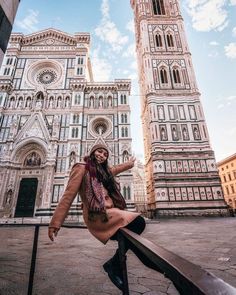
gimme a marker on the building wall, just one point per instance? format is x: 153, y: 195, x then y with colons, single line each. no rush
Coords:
x: 51, y: 114
x: 181, y: 172
x: 8, y: 9
x: 227, y: 171
x: 139, y: 187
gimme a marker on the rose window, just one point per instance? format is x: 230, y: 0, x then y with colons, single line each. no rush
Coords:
x: 46, y: 77
x: 100, y: 127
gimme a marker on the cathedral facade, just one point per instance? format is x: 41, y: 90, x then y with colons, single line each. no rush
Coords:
x: 51, y: 114
x: 181, y: 173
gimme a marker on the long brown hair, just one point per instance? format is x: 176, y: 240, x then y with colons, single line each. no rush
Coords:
x: 103, y: 174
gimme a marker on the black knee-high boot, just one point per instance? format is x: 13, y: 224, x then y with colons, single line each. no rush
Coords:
x: 113, y: 269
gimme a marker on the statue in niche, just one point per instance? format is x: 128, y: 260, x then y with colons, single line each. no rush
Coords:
x: 20, y: 104
x: 174, y: 133
x: 100, y: 102
x: 13, y: 126
x: 163, y: 134
x: 196, y: 133
x: 9, y: 195
x: 185, y: 134
x: 72, y: 160
x: 33, y: 159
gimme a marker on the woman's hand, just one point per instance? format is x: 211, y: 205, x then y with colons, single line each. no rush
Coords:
x: 52, y: 232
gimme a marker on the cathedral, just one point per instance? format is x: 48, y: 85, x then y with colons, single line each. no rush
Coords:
x: 51, y: 114
x: 181, y: 173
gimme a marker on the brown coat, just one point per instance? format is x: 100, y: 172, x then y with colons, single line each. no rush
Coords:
x: 116, y: 218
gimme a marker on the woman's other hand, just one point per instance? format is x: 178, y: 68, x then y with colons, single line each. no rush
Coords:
x: 52, y: 232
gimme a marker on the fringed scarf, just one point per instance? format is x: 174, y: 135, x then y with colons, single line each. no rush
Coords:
x: 95, y: 193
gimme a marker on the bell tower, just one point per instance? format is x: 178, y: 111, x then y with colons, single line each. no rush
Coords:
x: 181, y: 173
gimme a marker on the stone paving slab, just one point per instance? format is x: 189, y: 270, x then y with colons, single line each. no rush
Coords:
x: 72, y: 265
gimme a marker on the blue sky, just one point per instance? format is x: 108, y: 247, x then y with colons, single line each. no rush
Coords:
x: 211, y: 32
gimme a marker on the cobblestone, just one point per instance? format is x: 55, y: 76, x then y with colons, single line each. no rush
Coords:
x: 72, y: 265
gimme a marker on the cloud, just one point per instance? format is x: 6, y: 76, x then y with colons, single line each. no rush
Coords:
x: 214, y: 43
x: 108, y: 32
x: 28, y: 23
x: 130, y: 26
x: 230, y: 50
x: 234, y: 31
x: 213, y: 54
x: 232, y: 2
x: 208, y: 15
x: 101, y: 67
x: 130, y: 51
x: 227, y: 101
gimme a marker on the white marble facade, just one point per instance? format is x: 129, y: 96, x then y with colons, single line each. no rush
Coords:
x: 51, y: 114
x: 181, y: 173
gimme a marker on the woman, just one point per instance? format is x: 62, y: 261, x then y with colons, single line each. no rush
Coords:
x: 103, y: 205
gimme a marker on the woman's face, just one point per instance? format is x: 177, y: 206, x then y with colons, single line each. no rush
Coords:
x: 101, y: 155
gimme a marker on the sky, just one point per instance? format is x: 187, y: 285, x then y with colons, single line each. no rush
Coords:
x: 210, y: 26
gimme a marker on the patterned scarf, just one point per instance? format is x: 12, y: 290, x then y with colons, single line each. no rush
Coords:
x: 96, y: 194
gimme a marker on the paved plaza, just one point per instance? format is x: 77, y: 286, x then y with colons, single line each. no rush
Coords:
x: 72, y: 264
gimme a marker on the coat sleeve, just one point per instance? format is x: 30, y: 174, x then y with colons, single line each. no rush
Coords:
x: 121, y: 167
x: 72, y: 188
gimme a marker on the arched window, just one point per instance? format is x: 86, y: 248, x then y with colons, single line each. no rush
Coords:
x: 124, y: 192
x: 91, y: 102
x: 122, y: 132
x: 170, y: 41
x: 158, y: 40
x: 121, y: 99
x: 125, y: 118
x: 75, y: 132
x: 126, y: 132
x: 122, y: 118
x: 163, y: 74
x: 128, y: 193
x: 125, y: 99
x: 75, y: 118
x: 176, y: 76
x: 158, y: 7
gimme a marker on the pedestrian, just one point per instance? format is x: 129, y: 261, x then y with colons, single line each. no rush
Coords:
x: 102, y: 203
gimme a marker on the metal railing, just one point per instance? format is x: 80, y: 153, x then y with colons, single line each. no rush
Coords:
x: 187, y: 277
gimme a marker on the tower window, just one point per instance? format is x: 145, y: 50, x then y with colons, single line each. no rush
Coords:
x: 158, y: 40
x: 176, y: 76
x: 158, y: 7
x: 163, y: 74
x: 170, y: 40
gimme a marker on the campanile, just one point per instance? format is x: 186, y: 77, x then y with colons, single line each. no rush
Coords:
x: 182, y: 177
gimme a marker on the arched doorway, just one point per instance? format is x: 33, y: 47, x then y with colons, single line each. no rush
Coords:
x: 26, y: 197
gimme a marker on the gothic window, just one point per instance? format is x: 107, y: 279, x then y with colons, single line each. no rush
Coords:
x: 5, y: 127
x: 80, y: 60
x: 158, y: 40
x: 79, y: 71
x: 76, y: 119
x: 125, y: 99
x: 6, y: 71
x: 77, y: 98
x: 176, y: 76
x: 64, y: 130
x: 67, y: 102
x: 128, y: 193
x: 163, y: 74
x: 61, y: 157
x: 28, y: 102
x: 122, y: 132
x: 100, y: 127
x: 125, y: 118
x: 109, y: 99
x: 124, y: 192
x: 91, y: 102
x: 121, y: 99
x: 158, y: 7
x: 170, y: 40
x: 75, y: 132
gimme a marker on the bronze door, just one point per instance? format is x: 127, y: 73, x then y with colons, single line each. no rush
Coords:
x: 26, y: 198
